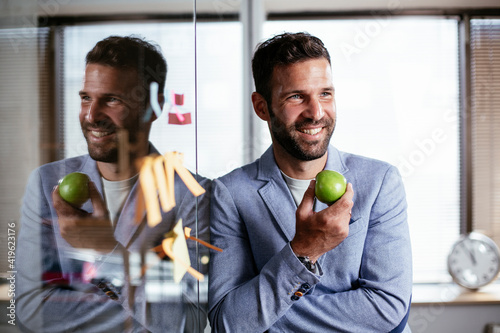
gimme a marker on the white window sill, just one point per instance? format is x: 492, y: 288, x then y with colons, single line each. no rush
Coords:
x: 452, y: 294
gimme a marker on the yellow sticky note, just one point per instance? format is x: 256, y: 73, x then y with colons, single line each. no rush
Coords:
x: 179, y: 251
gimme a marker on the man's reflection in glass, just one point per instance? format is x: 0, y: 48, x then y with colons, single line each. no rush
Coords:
x: 79, y: 268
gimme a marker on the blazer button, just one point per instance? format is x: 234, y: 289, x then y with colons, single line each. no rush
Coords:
x: 306, y: 286
x: 295, y: 298
x: 112, y: 295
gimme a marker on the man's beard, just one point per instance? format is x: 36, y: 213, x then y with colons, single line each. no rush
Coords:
x: 304, y: 151
x: 103, y: 152
x: 108, y: 151
x: 100, y: 155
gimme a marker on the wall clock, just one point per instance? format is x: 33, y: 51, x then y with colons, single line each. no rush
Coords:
x: 474, y: 261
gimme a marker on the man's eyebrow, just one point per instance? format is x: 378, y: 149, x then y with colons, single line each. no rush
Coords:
x: 84, y: 93
x: 288, y: 92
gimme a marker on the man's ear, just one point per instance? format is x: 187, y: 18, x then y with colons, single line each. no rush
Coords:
x: 260, y: 106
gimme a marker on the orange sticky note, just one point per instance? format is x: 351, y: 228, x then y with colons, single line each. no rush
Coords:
x: 140, y: 205
x: 187, y: 232
x: 170, y: 177
x: 161, y: 183
x: 186, y: 177
x: 148, y: 185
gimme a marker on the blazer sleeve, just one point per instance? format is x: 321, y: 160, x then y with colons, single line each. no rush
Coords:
x: 376, y: 301
x: 47, y: 300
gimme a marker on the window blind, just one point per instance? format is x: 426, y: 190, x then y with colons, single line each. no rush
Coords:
x: 22, y: 116
x: 485, y: 111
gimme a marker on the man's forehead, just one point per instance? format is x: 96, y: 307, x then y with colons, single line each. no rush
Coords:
x: 98, y: 75
x: 104, y: 69
x: 302, y: 71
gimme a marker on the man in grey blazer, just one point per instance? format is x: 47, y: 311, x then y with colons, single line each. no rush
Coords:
x: 291, y: 263
x: 76, y: 266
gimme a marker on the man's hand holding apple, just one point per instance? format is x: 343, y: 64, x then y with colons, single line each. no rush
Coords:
x: 82, y: 229
x: 319, y: 232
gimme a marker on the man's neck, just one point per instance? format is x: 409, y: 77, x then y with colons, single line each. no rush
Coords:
x: 112, y: 171
x: 122, y: 170
x: 298, y: 169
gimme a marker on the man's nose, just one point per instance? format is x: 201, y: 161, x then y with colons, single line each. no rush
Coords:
x: 94, y: 112
x: 315, y: 109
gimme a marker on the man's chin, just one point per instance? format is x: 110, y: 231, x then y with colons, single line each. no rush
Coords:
x: 104, y: 156
x: 311, y: 150
x: 305, y: 154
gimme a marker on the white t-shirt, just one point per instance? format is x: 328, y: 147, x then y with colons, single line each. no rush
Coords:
x: 297, y: 187
x: 115, y: 194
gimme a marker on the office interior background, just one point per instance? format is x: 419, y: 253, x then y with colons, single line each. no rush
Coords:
x: 417, y: 84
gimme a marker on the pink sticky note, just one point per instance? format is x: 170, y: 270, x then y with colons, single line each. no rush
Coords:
x: 179, y: 99
x: 184, y: 119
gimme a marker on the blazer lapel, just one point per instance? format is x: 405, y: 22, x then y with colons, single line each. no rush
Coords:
x: 276, y: 189
x: 276, y: 195
x: 336, y: 162
x: 127, y: 226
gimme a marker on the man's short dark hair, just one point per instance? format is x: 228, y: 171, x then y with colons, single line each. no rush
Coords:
x: 131, y: 52
x: 281, y: 50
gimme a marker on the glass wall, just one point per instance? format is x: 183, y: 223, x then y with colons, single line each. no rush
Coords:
x: 135, y: 267
x: 397, y: 83
x: 210, y: 142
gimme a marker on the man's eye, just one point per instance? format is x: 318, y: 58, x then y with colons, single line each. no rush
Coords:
x: 296, y: 96
x: 85, y: 98
x: 113, y: 100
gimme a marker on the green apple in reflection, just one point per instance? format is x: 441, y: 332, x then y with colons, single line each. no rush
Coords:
x: 74, y: 188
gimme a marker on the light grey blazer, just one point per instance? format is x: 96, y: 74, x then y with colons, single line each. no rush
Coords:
x: 52, y: 294
x: 257, y: 284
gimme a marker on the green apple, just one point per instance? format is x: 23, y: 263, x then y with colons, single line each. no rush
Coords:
x: 330, y: 186
x: 74, y: 188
